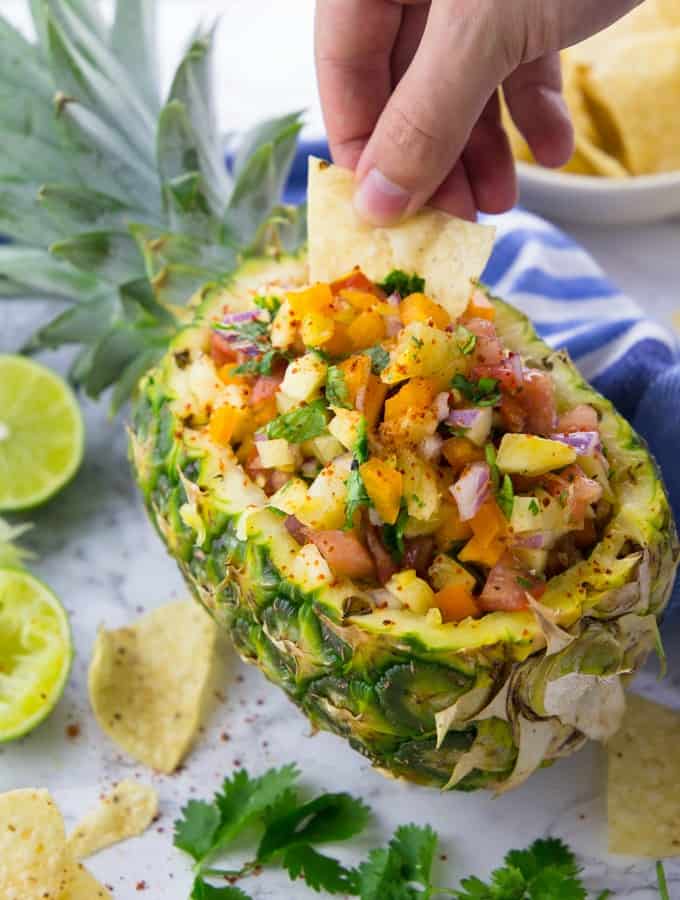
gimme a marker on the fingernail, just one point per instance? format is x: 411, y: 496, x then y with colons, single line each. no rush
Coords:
x: 379, y: 200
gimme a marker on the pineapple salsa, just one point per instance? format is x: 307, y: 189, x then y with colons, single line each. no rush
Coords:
x: 410, y: 453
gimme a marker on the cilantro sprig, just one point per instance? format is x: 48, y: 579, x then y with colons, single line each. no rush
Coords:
x: 502, y: 487
x: 380, y: 358
x: 337, y: 392
x: 484, y: 392
x: 301, y: 424
x: 291, y: 830
x: 400, y: 282
x: 357, y: 496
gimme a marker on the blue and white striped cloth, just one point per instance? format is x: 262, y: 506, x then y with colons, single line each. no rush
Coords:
x: 628, y: 356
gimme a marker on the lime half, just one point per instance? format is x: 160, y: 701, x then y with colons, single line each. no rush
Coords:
x: 35, y: 652
x: 41, y: 433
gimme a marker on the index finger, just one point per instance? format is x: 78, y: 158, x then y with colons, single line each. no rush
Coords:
x: 353, y: 46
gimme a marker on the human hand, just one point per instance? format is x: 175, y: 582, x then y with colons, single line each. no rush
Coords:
x: 409, y: 90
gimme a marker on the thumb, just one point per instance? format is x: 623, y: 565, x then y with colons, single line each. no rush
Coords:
x: 427, y: 121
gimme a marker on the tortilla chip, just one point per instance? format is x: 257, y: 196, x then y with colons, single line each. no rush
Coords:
x: 669, y: 11
x: 643, y: 781
x: 84, y: 886
x: 148, y: 682
x: 633, y: 92
x: 447, y: 252
x: 125, y: 813
x: 648, y: 17
x: 34, y: 861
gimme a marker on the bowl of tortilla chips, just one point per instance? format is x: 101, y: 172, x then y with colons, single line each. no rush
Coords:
x: 622, y: 87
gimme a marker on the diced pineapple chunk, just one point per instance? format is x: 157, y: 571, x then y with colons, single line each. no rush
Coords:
x: 310, y: 569
x: 445, y: 571
x: 316, y: 329
x: 345, y: 426
x: 420, y: 486
x: 527, y: 454
x: 325, y: 448
x: 304, y: 377
x: 321, y: 506
x: 412, y: 592
x: 290, y: 498
x: 539, y: 513
x: 533, y: 560
x: 278, y: 454
x: 284, y: 403
x: 284, y: 327
x: 423, y: 350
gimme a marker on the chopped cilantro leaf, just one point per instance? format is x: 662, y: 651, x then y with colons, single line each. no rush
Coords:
x: 490, y: 455
x: 254, y: 330
x: 271, y: 304
x: 337, y: 392
x: 203, y: 891
x: 506, y: 496
x: 466, y: 340
x: 361, y: 446
x: 399, y: 282
x: 393, y: 536
x: 301, y: 424
x: 356, y: 495
x: 259, y: 365
x: 418, y: 342
x: 195, y: 832
x: 484, y: 392
x: 534, y: 508
x: 379, y: 357
x: 525, y: 583
x: 562, y: 499
x: 662, y: 881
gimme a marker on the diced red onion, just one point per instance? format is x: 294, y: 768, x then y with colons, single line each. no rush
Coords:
x: 476, y: 422
x: 464, y: 418
x: 310, y: 468
x: 471, y: 490
x: 585, y: 443
x: 535, y: 541
x: 374, y: 517
x: 441, y: 405
x: 431, y: 447
x: 392, y: 325
x: 237, y: 317
x: 515, y: 361
x: 382, y: 598
x: 360, y: 401
x: 394, y: 299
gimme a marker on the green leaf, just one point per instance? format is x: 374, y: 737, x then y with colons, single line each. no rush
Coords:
x: 21, y: 64
x: 242, y: 799
x: 111, y: 356
x: 259, y: 365
x: 204, y: 891
x: 31, y: 157
x: 195, y: 832
x: 80, y: 324
x: 393, y: 536
x: 337, y: 392
x: 554, y: 884
x: 416, y: 847
x: 662, y: 881
x: 131, y: 375
x: 466, y: 340
x: 320, y: 872
x: 361, y: 447
x: 380, y: 878
x: 330, y: 817
x: 543, y: 853
x: 133, y: 42
x: 37, y: 270
x: 399, y: 282
x: 484, y: 392
x: 357, y: 497
x: 112, y: 255
x: 379, y: 357
x: 263, y: 133
x: 506, y: 496
x: 301, y: 424
x: 91, y: 210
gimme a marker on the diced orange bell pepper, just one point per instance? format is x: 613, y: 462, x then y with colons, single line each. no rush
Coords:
x: 227, y: 424
x: 356, y: 370
x: 419, y: 308
x: 384, y: 485
x: 459, y: 452
x: 316, y: 329
x: 488, y: 543
x: 229, y: 375
x: 339, y: 343
x: 479, y: 307
x: 356, y: 280
x: 452, y: 530
x: 263, y: 412
x: 455, y: 602
x: 366, y: 330
x: 359, y: 300
x: 315, y: 299
x: 417, y: 393
x: 374, y: 398
x: 485, y: 553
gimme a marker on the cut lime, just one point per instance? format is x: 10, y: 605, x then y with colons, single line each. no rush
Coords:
x: 35, y: 653
x: 41, y: 433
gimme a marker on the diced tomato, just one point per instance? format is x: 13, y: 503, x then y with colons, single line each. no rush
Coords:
x: 506, y: 588
x: 344, y: 553
x: 537, y: 396
x: 580, y: 418
x: 265, y: 387
x: 418, y: 554
x: 488, y: 348
x: 221, y: 350
x: 575, y: 490
x: 384, y: 564
x: 513, y: 414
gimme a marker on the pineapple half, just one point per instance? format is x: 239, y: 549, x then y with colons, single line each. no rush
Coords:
x: 118, y: 204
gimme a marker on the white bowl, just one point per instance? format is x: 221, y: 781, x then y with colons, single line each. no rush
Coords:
x: 592, y: 200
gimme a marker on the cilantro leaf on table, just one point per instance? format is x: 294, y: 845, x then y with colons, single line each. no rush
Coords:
x: 390, y: 873
x: 301, y: 424
x: 320, y: 872
x: 400, y: 282
x: 380, y: 358
x: 204, y: 891
x: 195, y: 832
x: 416, y: 848
x: 337, y: 392
x: 542, y: 854
x: 379, y: 878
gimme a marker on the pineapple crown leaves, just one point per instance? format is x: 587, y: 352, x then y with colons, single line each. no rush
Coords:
x: 117, y: 203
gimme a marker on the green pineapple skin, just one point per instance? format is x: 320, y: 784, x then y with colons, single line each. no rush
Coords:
x: 378, y: 690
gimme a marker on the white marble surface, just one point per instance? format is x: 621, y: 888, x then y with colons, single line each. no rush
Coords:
x: 99, y: 553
